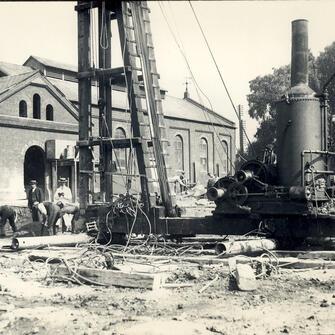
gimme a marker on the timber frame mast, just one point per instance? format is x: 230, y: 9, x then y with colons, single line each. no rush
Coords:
x: 147, y: 123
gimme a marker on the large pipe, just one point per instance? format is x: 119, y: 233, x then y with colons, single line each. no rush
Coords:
x: 245, y: 247
x: 214, y: 193
x: 299, y: 66
x: 21, y: 243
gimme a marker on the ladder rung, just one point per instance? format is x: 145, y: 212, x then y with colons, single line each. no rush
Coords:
x: 136, y: 68
x: 134, y: 54
x: 155, y: 166
x: 146, y: 8
x: 129, y: 27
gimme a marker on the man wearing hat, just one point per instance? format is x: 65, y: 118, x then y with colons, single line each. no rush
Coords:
x: 35, y: 197
x: 63, y: 192
x: 63, y: 195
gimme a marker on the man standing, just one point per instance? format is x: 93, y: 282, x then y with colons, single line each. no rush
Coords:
x: 64, y: 195
x: 35, y: 197
x: 7, y: 213
x: 63, y: 192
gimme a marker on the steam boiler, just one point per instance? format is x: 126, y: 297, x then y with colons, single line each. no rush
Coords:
x: 290, y: 193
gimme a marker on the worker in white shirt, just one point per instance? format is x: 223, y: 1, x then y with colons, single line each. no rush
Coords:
x: 63, y: 194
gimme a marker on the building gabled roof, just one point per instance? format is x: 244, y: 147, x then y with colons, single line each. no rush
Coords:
x: 10, y: 85
x: 9, y: 69
x: 173, y: 107
x: 208, y: 110
x: 10, y: 81
x: 187, y: 108
x: 51, y: 64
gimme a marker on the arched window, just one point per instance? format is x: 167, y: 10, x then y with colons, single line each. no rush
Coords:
x: 36, y: 106
x: 203, y: 154
x: 121, y: 154
x: 49, y: 113
x: 23, y: 109
x: 225, y: 158
x: 179, y: 152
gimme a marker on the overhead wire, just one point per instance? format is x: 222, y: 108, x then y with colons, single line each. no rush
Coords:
x: 205, y: 111
x: 198, y: 89
x: 219, y: 72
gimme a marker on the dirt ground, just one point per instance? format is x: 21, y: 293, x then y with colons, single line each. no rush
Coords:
x: 292, y: 301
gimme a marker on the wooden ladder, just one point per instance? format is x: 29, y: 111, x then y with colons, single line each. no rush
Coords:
x: 142, y: 81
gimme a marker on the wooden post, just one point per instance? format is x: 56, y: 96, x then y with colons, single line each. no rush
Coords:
x: 240, y: 120
x: 105, y: 100
x: 194, y: 173
x: 73, y: 179
x: 53, y: 179
x: 84, y: 94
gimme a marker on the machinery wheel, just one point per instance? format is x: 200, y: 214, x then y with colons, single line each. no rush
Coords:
x: 259, y: 170
x: 224, y: 182
x: 237, y: 193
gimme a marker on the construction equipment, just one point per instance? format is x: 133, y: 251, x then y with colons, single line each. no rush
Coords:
x: 292, y: 198
x: 292, y: 195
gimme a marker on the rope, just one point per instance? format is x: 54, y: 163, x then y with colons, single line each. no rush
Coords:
x: 219, y: 72
x: 198, y: 89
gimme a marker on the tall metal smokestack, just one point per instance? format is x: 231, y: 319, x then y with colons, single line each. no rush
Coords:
x: 299, y: 125
x: 299, y: 66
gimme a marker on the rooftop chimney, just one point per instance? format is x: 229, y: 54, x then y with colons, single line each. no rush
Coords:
x: 299, y: 65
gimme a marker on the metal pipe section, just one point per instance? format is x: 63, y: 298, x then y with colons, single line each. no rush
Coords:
x: 244, y: 175
x: 214, y: 193
x: 245, y: 247
x: 299, y: 66
x: 21, y: 243
x: 319, y: 152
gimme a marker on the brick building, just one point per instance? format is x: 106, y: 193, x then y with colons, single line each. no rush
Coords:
x: 39, y: 128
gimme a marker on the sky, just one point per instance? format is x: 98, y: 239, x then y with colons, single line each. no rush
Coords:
x: 247, y: 39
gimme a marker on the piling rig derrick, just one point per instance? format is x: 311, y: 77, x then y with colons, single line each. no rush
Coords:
x: 292, y: 197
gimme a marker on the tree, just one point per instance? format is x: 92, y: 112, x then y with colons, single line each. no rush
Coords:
x: 266, y: 91
x: 325, y: 65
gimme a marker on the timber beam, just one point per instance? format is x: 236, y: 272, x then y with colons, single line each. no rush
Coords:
x: 110, y: 5
x: 103, y: 73
x: 117, y: 143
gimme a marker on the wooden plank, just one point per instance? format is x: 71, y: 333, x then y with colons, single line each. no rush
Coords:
x: 288, y: 262
x: 110, y: 277
x: 284, y: 262
x: 323, y: 254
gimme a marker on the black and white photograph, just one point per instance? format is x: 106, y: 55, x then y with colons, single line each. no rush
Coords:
x: 167, y: 167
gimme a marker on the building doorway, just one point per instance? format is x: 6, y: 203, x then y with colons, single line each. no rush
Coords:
x: 34, y: 166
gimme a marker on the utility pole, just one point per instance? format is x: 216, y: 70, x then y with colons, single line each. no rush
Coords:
x: 84, y: 94
x: 105, y: 101
x: 241, y: 127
